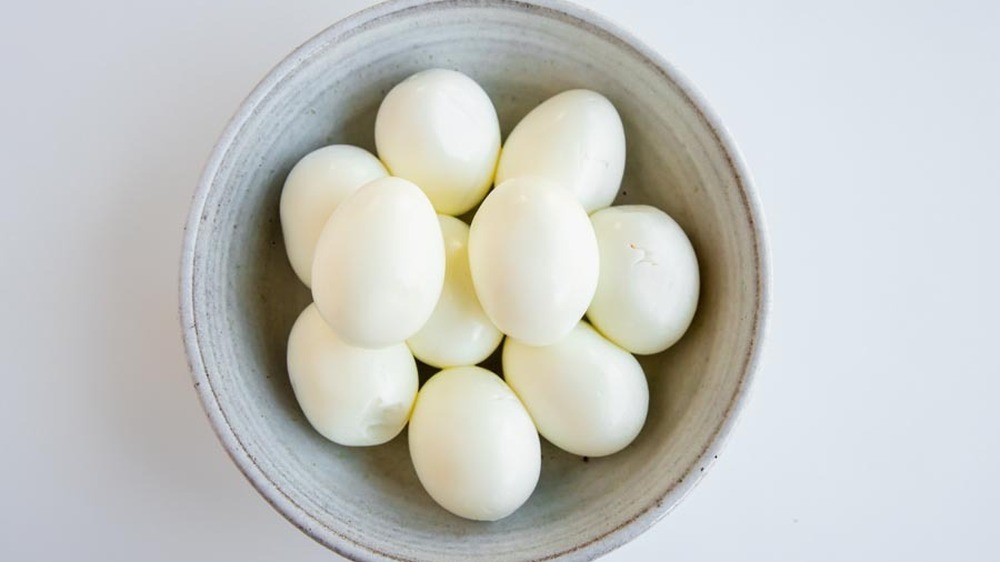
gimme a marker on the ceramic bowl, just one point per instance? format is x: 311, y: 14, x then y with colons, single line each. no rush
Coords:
x: 240, y: 297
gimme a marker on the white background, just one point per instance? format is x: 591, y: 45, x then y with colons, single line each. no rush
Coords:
x: 871, y: 128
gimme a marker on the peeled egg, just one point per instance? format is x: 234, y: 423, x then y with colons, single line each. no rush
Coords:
x: 649, y: 283
x: 585, y: 394
x: 379, y: 264
x: 315, y: 186
x: 458, y: 331
x: 473, y: 445
x: 352, y: 396
x: 533, y: 258
x: 575, y: 138
x: 438, y: 129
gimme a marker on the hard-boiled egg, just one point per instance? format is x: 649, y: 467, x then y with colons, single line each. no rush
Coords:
x: 574, y: 138
x: 438, y: 129
x: 315, y: 186
x: 533, y: 258
x: 379, y: 264
x: 586, y: 395
x: 351, y: 395
x: 649, y: 283
x: 473, y: 445
x: 458, y: 332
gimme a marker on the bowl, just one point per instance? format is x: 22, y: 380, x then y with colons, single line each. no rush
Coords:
x: 239, y: 296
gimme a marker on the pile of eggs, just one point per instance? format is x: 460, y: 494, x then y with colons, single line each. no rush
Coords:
x: 396, y: 278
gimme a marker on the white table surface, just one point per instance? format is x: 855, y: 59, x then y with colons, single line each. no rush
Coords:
x: 871, y: 128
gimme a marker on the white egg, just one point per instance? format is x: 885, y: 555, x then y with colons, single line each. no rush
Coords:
x: 473, y: 445
x: 533, y: 258
x: 586, y: 395
x: 438, y: 129
x: 315, y: 186
x: 649, y: 283
x: 575, y: 138
x: 458, y: 332
x: 351, y: 395
x: 379, y: 264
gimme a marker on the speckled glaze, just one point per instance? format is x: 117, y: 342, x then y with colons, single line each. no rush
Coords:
x: 239, y: 296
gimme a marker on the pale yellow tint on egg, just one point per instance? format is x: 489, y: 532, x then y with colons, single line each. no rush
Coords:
x: 438, y: 129
x: 379, y: 264
x: 586, y: 395
x: 649, y: 284
x: 458, y: 332
x: 534, y: 261
x: 315, y: 186
x: 575, y: 138
x: 473, y: 445
x: 350, y: 395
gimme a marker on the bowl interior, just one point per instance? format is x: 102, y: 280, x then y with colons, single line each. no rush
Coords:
x: 367, y: 502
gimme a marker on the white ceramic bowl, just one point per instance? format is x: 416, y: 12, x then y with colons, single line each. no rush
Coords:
x: 240, y: 297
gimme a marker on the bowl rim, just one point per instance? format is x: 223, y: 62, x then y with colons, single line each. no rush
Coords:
x: 656, y: 508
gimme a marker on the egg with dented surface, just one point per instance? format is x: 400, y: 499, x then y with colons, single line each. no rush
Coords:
x: 352, y: 396
x: 649, y: 282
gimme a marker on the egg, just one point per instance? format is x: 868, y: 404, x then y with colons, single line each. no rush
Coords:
x: 352, y: 396
x: 575, y: 138
x: 649, y: 283
x: 315, y: 186
x: 379, y: 264
x: 534, y: 261
x: 438, y: 129
x: 473, y: 445
x: 585, y: 394
x: 458, y: 332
